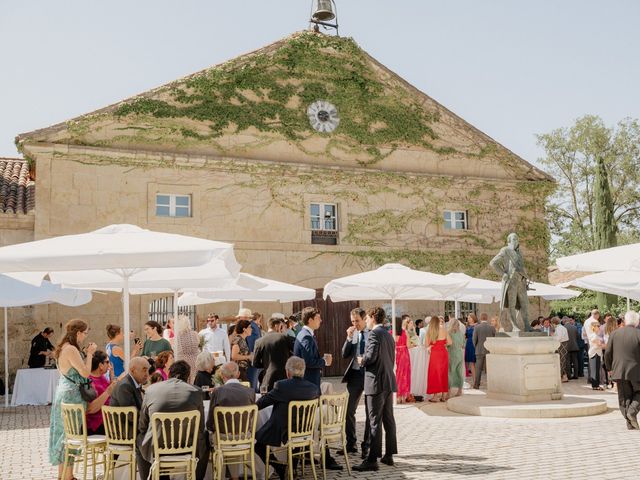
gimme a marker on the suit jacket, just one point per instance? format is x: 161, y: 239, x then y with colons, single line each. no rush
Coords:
x: 307, y: 349
x: 481, y: 332
x: 572, y: 330
x: 170, y: 396
x: 275, y: 430
x: 271, y: 352
x: 350, y: 351
x: 126, y: 394
x: 229, y: 395
x: 378, y: 359
x: 622, y: 355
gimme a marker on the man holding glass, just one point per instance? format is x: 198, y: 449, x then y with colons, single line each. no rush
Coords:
x: 306, y: 346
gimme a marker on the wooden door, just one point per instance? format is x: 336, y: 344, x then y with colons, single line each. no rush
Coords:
x: 332, y: 333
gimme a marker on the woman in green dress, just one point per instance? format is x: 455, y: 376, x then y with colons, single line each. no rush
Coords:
x: 456, y: 356
x: 73, y: 369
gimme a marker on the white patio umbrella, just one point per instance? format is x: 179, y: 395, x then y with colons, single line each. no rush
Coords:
x: 14, y: 293
x: 395, y: 282
x: 624, y: 284
x: 124, y: 251
x: 271, y: 291
x: 625, y: 257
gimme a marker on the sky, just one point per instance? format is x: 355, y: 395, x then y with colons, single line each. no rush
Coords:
x: 511, y: 68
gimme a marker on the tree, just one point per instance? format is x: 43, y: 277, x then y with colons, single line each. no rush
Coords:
x: 574, y: 156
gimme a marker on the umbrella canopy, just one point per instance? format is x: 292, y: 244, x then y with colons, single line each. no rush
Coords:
x: 14, y: 293
x: 394, y: 282
x: 624, y: 284
x: 123, y: 250
x: 267, y: 291
x: 625, y: 257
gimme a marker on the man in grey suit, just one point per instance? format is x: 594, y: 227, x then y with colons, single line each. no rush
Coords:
x: 231, y: 394
x: 572, y: 347
x: 171, y: 396
x: 379, y: 385
x: 622, y: 359
x: 271, y: 353
x: 481, y: 332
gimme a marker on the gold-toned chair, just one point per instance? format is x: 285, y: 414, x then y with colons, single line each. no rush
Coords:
x: 333, y: 418
x: 301, y: 426
x: 77, y: 445
x: 175, y: 444
x: 120, y: 425
x: 235, y: 433
x: 246, y: 384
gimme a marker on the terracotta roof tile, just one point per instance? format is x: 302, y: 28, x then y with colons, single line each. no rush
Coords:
x: 17, y: 189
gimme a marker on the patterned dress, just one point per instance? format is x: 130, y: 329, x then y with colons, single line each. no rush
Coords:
x: 67, y: 392
x: 187, y: 348
x: 243, y: 365
x: 456, y: 359
x: 403, y: 366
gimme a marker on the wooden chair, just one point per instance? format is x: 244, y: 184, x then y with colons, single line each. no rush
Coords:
x: 301, y: 426
x: 77, y: 445
x: 175, y: 443
x: 120, y: 425
x: 333, y: 418
x: 235, y: 433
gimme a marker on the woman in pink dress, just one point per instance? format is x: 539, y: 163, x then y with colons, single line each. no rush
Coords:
x: 403, y: 363
x: 437, y: 341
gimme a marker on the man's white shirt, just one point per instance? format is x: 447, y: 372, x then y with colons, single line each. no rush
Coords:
x: 216, y: 341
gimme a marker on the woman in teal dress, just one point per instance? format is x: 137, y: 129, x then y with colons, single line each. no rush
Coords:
x: 73, y: 368
x: 456, y: 357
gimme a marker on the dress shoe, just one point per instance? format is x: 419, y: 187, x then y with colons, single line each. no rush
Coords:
x: 333, y: 465
x: 366, y: 466
x: 387, y: 460
x: 632, y: 417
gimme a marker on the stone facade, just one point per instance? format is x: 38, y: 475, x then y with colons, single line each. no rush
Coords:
x: 253, y: 186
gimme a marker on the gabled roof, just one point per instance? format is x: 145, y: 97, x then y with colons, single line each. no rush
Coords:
x: 17, y: 189
x: 243, y: 107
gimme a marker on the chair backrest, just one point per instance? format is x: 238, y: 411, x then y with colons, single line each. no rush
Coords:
x: 120, y: 425
x: 302, y: 420
x: 333, y: 413
x: 175, y: 433
x: 74, y: 421
x: 246, y: 384
x: 235, y: 425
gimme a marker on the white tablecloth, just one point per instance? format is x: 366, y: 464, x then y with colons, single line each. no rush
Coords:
x: 35, y: 386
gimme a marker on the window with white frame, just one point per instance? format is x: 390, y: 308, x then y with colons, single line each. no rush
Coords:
x: 465, y: 308
x: 456, y: 220
x: 171, y: 205
x: 324, y: 216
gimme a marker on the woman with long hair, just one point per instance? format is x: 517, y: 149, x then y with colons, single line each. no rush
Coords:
x: 469, y: 348
x: 187, y: 344
x: 114, y: 348
x: 164, y: 362
x: 456, y: 356
x: 154, y: 344
x: 74, y: 370
x: 240, y: 349
x: 438, y: 339
x: 403, y: 362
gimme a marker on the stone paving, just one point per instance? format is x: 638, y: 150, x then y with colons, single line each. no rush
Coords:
x: 433, y: 443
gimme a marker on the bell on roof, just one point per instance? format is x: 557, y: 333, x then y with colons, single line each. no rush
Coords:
x: 322, y: 12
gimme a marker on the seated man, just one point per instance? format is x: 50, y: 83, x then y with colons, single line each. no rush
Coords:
x: 231, y: 394
x: 173, y: 395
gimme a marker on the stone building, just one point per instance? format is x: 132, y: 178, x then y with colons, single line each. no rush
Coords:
x: 309, y: 155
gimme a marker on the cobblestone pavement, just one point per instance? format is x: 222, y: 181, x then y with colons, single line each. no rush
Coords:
x: 433, y: 443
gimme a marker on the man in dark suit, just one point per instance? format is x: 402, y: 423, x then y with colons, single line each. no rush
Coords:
x: 128, y: 392
x: 275, y: 430
x: 271, y: 353
x: 306, y: 346
x: 481, y: 332
x: 41, y: 348
x: 572, y: 347
x: 354, y: 347
x: 231, y: 394
x: 379, y: 385
x: 171, y: 396
x: 622, y: 359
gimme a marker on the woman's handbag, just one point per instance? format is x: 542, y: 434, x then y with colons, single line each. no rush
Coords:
x: 87, y: 392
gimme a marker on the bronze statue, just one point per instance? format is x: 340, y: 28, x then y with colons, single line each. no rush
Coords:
x: 510, y: 264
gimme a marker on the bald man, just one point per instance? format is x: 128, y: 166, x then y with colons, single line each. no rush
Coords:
x: 128, y: 392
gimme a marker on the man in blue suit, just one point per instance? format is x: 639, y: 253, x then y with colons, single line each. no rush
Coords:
x: 306, y: 346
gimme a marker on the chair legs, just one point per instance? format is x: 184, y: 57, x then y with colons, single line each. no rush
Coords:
x: 313, y: 465
x: 323, y: 460
x: 346, y: 455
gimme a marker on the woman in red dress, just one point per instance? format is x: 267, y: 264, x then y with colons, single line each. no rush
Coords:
x: 403, y: 363
x: 437, y: 341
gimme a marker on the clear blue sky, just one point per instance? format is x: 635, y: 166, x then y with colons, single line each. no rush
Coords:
x: 511, y: 68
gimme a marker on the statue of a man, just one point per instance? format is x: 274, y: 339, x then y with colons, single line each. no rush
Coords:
x: 510, y: 264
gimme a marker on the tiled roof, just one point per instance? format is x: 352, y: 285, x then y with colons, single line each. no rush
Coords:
x: 17, y: 189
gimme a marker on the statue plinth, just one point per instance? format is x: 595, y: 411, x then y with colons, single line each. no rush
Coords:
x: 523, y: 367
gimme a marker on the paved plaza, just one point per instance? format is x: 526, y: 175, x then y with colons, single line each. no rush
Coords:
x: 433, y: 443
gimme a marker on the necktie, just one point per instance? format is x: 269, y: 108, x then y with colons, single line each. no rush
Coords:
x: 361, y: 343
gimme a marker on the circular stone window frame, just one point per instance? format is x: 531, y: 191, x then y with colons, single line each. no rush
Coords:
x: 323, y: 116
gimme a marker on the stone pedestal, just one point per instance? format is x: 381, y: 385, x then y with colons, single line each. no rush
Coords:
x: 523, y: 368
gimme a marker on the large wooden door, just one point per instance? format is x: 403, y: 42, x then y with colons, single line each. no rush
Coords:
x: 333, y: 331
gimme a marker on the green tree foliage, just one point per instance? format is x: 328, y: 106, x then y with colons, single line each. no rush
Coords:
x: 572, y: 156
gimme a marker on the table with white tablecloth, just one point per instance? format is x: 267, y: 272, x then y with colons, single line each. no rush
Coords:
x: 35, y: 386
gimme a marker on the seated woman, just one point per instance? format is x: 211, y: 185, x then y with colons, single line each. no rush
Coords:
x: 163, y: 364
x: 100, y: 365
x: 204, y: 366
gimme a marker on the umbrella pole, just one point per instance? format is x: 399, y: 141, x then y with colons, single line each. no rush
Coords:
x: 6, y: 360
x: 457, y: 309
x: 628, y: 306
x: 175, y: 308
x: 241, y: 304
x: 125, y: 308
